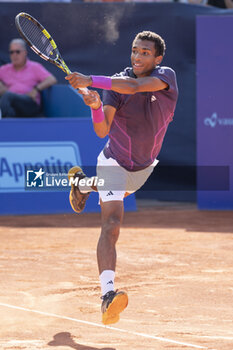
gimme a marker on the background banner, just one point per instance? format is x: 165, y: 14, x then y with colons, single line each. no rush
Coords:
x: 54, y: 144
x: 214, y: 111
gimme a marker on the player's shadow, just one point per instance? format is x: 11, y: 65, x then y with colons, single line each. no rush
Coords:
x: 65, y: 339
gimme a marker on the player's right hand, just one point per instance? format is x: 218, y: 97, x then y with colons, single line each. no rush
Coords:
x: 92, y: 99
x: 78, y: 80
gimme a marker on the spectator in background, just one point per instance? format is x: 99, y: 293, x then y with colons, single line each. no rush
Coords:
x: 21, y: 82
x: 224, y: 4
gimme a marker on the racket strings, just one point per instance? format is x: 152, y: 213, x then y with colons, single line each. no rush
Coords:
x: 35, y: 35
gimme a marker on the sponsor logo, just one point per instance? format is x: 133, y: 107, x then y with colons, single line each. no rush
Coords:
x: 110, y: 282
x: 153, y: 98
x: 214, y: 121
x: 161, y: 71
x: 110, y: 193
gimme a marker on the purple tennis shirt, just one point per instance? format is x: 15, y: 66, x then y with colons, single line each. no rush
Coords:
x: 140, y: 122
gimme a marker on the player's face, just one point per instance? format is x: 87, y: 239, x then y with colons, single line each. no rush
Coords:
x: 143, y: 57
x: 18, y: 55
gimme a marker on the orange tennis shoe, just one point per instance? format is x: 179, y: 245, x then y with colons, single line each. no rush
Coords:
x: 77, y: 199
x: 113, y: 304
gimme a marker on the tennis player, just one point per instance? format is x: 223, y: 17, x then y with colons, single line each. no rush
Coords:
x: 138, y: 105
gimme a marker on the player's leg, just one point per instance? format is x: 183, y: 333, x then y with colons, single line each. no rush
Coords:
x: 111, y: 218
x: 112, y: 208
x: 114, y: 302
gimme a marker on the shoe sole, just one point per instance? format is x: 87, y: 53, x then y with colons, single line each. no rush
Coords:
x: 71, y: 174
x: 118, y: 304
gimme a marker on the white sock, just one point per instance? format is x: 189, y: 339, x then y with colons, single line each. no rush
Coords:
x: 107, y: 281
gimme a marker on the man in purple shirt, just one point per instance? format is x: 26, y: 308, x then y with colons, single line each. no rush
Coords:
x: 138, y: 105
x: 21, y: 82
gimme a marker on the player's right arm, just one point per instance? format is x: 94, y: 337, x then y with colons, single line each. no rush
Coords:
x: 93, y: 100
x: 122, y: 85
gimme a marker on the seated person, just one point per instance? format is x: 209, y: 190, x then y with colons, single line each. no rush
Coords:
x: 21, y: 82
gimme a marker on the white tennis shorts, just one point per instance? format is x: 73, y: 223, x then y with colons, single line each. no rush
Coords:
x: 117, y: 180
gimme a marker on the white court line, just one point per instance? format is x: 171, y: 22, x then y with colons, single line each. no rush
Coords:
x: 102, y: 326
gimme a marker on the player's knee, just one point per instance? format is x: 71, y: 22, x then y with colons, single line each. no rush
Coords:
x: 111, y: 226
x: 113, y: 222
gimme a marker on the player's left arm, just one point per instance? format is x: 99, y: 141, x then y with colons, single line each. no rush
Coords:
x: 123, y: 85
x: 105, y: 114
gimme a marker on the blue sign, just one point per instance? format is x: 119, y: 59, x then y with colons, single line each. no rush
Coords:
x: 50, y: 155
x: 51, y: 145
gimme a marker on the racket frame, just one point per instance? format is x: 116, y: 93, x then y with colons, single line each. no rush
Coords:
x: 58, y: 61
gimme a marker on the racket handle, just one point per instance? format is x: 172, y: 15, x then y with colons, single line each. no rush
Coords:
x: 84, y: 91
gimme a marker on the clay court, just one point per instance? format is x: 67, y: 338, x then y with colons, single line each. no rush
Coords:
x: 175, y: 262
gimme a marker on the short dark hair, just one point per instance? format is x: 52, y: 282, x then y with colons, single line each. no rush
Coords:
x: 160, y: 45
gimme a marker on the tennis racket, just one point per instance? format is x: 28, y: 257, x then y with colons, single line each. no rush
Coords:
x: 41, y: 42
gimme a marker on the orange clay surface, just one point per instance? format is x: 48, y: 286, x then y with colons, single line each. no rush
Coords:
x: 175, y: 262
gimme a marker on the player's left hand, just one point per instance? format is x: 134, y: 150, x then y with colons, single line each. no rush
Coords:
x: 92, y: 99
x: 78, y: 80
